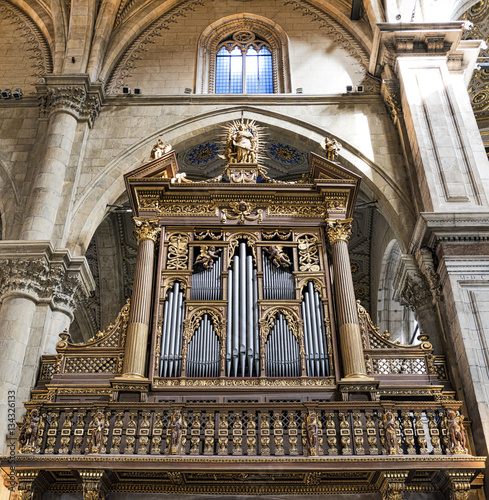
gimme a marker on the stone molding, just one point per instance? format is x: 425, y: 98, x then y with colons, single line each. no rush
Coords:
x: 74, y: 94
x: 33, y: 38
x: 43, y: 274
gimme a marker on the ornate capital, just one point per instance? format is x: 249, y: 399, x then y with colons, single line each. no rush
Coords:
x: 93, y: 484
x: 71, y: 95
x: 424, y: 258
x: 457, y: 483
x: 27, y: 484
x: 338, y: 230
x: 146, y: 229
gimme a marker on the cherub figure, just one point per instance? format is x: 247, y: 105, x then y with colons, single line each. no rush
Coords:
x: 312, y: 432
x: 278, y: 257
x: 390, y: 433
x: 97, y: 426
x: 207, y: 256
x: 456, y: 433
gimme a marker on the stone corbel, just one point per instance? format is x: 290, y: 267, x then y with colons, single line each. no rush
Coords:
x: 94, y: 484
x: 74, y: 94
x: 410, y: 286
x: 392, y: 484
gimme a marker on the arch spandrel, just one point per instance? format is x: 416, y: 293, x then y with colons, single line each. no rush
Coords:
x: 105, y: 188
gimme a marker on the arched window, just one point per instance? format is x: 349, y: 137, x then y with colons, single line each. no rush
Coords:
x: 243, y: 54
x: 244, y: 65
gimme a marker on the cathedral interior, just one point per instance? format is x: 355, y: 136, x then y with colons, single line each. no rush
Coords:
x: 244, y: 249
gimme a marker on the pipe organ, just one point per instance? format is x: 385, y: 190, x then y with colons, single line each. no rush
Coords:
x: 249, y: 361
x: 244, y: 274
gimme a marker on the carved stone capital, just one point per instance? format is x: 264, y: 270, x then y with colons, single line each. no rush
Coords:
x: 390, y: 92
x: 424, y: 258
x: 392, y: 484
x: 73, y: 95
x: 93, y: 483
x: 338, y: 230
x: 44, y: 274
x: 457, y: 483
x: 410, y: 285
x: 146, y: 229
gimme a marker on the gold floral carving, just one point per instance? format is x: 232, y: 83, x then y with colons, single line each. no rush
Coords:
x: 299, y: 210
x: 250, y: 238
x: 338, y: 230
x: 283, y: 235
x: 308, y: 253
x: 146, y: 229
x: 187, y: 210
x: 177, y: 251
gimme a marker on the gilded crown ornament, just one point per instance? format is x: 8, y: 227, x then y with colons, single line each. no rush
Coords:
x: 146, y: 229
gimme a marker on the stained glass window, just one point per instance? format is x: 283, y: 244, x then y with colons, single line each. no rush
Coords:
x: 244, y: 65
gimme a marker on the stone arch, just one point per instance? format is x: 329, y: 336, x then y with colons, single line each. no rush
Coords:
x: 136, y: 31
x: 37, y: 57
x: 262, y: 26
x: 90, y: 208
x: 397, y: 319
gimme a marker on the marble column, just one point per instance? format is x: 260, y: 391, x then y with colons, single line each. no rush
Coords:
x: 349, y: 329
x: 139, y: 315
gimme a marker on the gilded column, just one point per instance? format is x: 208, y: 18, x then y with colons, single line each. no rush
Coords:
x: 137, y: 330
x: 350, y: 337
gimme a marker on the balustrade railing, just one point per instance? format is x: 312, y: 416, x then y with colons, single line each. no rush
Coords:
x: 280, y: 429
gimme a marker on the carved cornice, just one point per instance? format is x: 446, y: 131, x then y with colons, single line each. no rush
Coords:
x: 146, y: 229
x: 392, y: 484
x: 457, y: 483
x: 73, y: 95
x: 338, y: 230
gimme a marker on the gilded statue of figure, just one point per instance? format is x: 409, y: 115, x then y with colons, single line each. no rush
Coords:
x: 278, y: 257
x: 390, y: 433
x: 176, y: 425
x: 160, y: 149
x: 312, y: 432
x: 207, y: 256
x: 28, y: 433
x: 332, y: 147
x: 97, y: 426
x: 242, y: 142
x: 456, y: 433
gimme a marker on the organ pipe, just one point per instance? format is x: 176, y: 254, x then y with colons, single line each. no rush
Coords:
x: 242, y: 344
x: 171, y: 343
x: 278, y: 284
x: 317, y: 362
x: 203, y: 351
x: 282, y: 357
